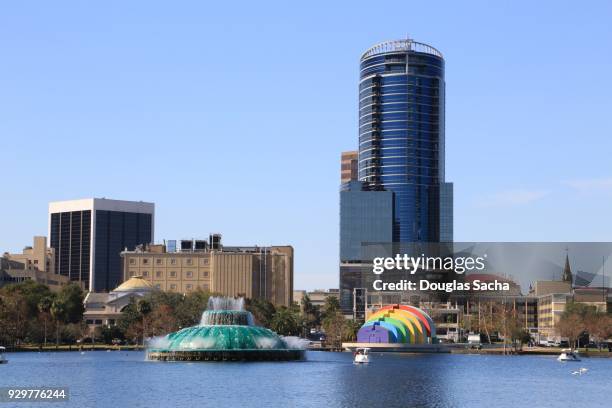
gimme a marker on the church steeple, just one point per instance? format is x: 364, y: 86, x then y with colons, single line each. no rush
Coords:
x: 567, y: 271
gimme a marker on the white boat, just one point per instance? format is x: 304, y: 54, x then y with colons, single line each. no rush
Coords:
x: 361, y: 355
x: 568, y: 355
x: 2, y: 359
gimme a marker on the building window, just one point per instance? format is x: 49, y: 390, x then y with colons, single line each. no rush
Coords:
x: 173, y: 287
x: 158, y: 261
x: 172, y: 261
x: 205, y: 286
x: 189, y: 261
x: 189, y: 286
x: 205, y: 261
x: 145, y: 273
x: 158, y: 274
x: 189, y: 274
x: 132, y: 273
x: 132, y: 261
x: 206, y: 274
x: 89, y: 321
x: 36, y: 262
x: 173, y: 274
x: 145, y: 261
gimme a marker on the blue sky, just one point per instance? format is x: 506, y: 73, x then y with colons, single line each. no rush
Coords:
x: 231, y: 116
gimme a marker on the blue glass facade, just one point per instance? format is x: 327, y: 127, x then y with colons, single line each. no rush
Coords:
x: 401, y: 133
x: 365, y: 216
x: 446, y: 212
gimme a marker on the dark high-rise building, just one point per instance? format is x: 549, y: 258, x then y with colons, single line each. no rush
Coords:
x: 88, y: 236
x: 401, y: 133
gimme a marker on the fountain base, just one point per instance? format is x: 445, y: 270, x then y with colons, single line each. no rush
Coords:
x: 226, y: 355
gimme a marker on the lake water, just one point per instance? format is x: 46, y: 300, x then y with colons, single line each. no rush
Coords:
x: 124, y: 379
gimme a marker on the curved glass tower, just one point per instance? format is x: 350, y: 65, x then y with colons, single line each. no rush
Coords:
x: 401, y: 133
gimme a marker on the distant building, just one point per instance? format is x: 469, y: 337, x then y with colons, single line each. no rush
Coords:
x: 35, y: 263
x: 37, y: 256
x: 318, y: 297
x: 567, y: 271
x: 252, y: 272
x: 88, y: 235
x: 542, y: 288
x: 402, y: 133
x: 550, y: 308
x: 366, y: 216
x: 104, y: 309
x: 349, y: 164
x: 401, y: 161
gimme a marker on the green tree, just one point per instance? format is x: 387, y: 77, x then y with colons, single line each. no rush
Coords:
x: 350, y: 330
x: 189, y: 311
x: 108, y: 334
x: 31, y: 292
x: 58, y: 312
x: 144, y: 308
x: 311, y: 316
x: 44, y: 310
x: 573, y: 321
x: 334, y: 325
x: 263, y: 311
x: 72, y: 296
x: 128, y: 320
x: 13, y: 318
x: 331, y: 306
x: 285, y: 322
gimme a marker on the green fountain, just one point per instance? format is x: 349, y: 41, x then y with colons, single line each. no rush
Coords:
x: 226, y: 333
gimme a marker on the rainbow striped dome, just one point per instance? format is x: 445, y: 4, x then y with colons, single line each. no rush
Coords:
x: 398, y: 324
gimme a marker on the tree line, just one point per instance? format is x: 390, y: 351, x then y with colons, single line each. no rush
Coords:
x: 580, y: 320
x: 31, y: 314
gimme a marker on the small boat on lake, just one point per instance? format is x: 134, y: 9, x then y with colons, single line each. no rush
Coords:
x: 3, y: 360
x: 361, y: 355
x: 568, y: 355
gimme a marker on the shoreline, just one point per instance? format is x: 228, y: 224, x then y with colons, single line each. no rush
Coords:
x: 69, y: 348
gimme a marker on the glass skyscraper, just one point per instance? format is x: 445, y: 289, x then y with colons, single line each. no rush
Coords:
x: 401, y: 136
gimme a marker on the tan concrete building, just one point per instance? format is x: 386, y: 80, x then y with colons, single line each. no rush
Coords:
x: 36, y: 263
x: 37, y: 256
x: 541, y: 288
x: 252, y: 272
x: 349, y: 166
x: 550, y: 309
x: 317, y: 296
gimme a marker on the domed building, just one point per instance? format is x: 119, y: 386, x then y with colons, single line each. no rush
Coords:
x: 104, y: 309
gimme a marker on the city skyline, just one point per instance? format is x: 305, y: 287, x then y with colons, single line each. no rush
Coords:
x: 99, y: 106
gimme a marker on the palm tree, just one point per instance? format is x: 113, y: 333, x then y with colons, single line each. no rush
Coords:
x: 58, y: 312
x: 44, y: 308
x: 144, y: 308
